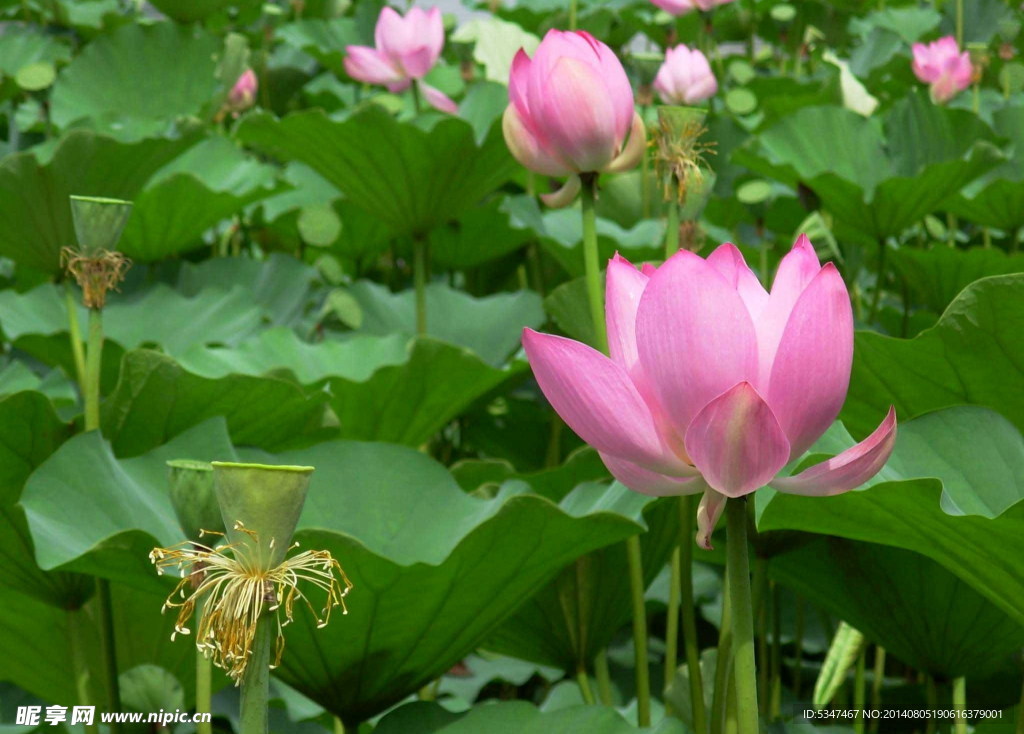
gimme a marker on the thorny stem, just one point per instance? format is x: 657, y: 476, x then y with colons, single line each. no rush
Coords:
x: 738, y: 576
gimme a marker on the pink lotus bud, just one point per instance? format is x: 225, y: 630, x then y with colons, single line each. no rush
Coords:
x: 406, y: 49
x: 571, y: 108
x: 714, y: 384
x: 680, y: 7
x: 243, y: 95
x: 685, y: 77
x: 942, y: 65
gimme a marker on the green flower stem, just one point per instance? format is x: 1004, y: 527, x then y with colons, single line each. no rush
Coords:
x: 204, y: 678
x: 604, y: 678
x: 645, y: 178
x: 636, y: 587
x: 419, y: 274
x: 573, y: 12
x: 759, y: 607
x: 689, y: 616
x: 775, y: 699
x: 960, y: 704
x: 960, y: 23
x: 672, y: 228
x: 76, y: 621
x: 932, y: 698
x: 859, y: 692
x: 75, y: 335
x: 738, y: 578
x: 723, y: 666
x: 876, y: 298
x: 93, y: 365
x: 584, y: 683
x: 878, y: 676
x: 416, y: 105
x: 672, y: 616
x: 798, y: 643
x: 256, y: 683
x: 591, y: 264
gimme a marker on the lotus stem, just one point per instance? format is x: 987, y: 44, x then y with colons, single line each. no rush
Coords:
x: 932, y: 697
x: 573, y: 12
x: 75, y: 336
x: 876, y: 298
x: 859, y: 692
x: 636, y: 587
x: 419, y: 274
x: 742, y: 620
x: 591, y: 265
x: 256, y: 683
x: 604, y: 679
x: 109, y: 647
x: 1020, y: 712
x: 775, y: 699
x: 672, y: 231
x: 798, y: 642
x: 672, y: 617
x: 204, y: 678
x: 76, y: 637
x: 584, y: 683
x: 759, y: 607
x: 93, y: 366
x: 723, y: 666
x: 878, y: 678
x: 960, y: 705
x: 960, y: 23
x: 689, y: 615
x: 416, y: 104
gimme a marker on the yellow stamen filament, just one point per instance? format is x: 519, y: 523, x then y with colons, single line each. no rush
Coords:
x: 238, y: 592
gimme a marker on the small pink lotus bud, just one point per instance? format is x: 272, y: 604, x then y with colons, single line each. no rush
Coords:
x: 680, y: 7
x: 243, y: 95
x: 943, y: 67
x: 685, y: 77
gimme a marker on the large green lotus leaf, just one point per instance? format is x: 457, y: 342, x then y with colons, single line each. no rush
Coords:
x: 434, y: 569
x: 34, y: 193
x: 905, y: 602
x: 121, y: 83
x: 412, y: 179
x: 490, y: 327
x: 973, y: 355
x: 514, y: 717
x: 324, y: 40
x: 566, y: 623
x: 481, y: 235
x: 936, y: 276
x: 951, y: 491
x: 221, y: 165
x: 280, y: 350
x: 561, y: 234
x: 30, y: 432
x: 171, y: 216
x: 189, y: 11
x: 91, y: 512
x: 282, y: 286
x: 37, y: 322
x: 382, y: 388
x: 156, y: 399
x: 408, y: 403
x: 35, y: 644
x: 23, y: 45
x: 583, y: 465
x: 876, y: 185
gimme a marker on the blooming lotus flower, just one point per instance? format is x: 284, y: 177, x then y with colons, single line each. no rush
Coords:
x: 406, y: 49
x: 679, y: 7
x: 243, y: 94
x: 685, y: 77
x: 941, y: 65
x: 571, y: 111
x: 714, y: 384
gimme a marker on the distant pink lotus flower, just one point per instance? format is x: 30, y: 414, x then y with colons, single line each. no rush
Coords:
x: 406, y: 49
x: 941, y: 65
x: 571, y: 111
x: 679, y: 7
x: 685, y: 77
x: 243, y: 94
x: 713, y: 384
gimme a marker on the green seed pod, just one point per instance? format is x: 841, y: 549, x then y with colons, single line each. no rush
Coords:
x: 98, y: 223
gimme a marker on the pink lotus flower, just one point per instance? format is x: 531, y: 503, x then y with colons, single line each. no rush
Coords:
x: 713, y: 384
x: 941, y: 65
x: 406, y: 49
x: 679, y: 7
x: 571, y: 111
x: 243, y: 94
x: 685, y: 77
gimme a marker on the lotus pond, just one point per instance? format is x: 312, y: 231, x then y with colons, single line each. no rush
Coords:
x: 511, y: 366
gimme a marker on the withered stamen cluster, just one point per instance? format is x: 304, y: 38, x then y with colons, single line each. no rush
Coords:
x: 238, y: 592
x: 680, y: 155
x: 96, y: 273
